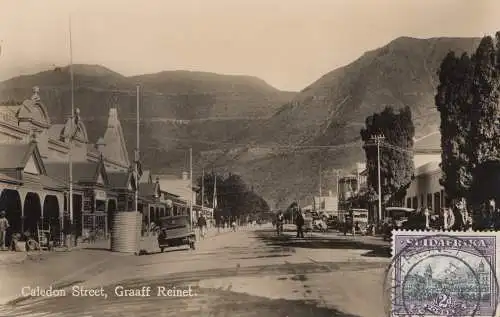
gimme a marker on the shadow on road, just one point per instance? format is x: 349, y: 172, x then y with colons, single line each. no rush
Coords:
x: 96, y: 248
x: 376, y: 248
x: 265, y: 256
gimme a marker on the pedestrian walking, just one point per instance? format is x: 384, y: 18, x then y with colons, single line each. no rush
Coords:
x: 299, y: 222
x: 280, y: 218
x: 4, y: 225
x: 202, y: 223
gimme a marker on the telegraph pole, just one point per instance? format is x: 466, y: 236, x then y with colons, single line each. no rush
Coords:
x: 337, y: 174
x: 378, y: 139
x: 72, y: 121
x: 191, y: 183
x: 320, y: 180
x: 137, y: 153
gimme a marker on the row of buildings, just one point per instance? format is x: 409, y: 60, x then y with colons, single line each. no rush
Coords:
x: 424, y: 191
x: 35, y: 174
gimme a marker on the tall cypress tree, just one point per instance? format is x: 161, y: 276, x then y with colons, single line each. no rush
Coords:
x: 467, y: 99
x: 485, y: 132
x: 396, y: 161
x: 453, y: 101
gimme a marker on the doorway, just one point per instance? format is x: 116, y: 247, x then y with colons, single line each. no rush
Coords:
x: 32, y: 213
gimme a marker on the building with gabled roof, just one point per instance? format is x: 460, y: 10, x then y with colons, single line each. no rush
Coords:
x: 31, y: 198
x: 36, y: 174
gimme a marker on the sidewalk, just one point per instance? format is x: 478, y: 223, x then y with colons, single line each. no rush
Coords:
x: 60, y: 269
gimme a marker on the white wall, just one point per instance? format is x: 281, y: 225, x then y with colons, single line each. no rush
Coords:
x: 421, y: 187
x: 422, y: 159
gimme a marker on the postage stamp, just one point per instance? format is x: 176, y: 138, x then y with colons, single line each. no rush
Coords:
x: 444, y: 273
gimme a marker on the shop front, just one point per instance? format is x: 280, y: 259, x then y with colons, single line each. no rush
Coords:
x: 152, y: 208
x: 90, y: 210
x: 32, y: 200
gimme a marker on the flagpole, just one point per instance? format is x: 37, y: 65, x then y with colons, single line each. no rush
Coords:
x: 202, y: 189
x: 214, y: 202
x: 191, y: 182
x: 136, y: 198
x: 72, y: 119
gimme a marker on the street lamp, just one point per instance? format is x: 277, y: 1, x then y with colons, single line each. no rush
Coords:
x: 378, y: 139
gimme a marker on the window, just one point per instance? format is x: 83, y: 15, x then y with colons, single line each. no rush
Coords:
x: 408, y: 202
x: 437, y: 202
x: 100, y: 205
x: 415, y: 202
x: 429, y: 201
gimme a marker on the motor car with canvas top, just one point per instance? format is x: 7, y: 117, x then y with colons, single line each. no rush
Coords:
x: 176, y: 231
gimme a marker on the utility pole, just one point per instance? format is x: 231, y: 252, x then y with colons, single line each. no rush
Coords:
x: 320, y: 180
x: 202, y: 189
x: 191, y: 183
x: 378, y: 139
x: 137, y: 153
x: 72, y: 121
x: 337, y: 174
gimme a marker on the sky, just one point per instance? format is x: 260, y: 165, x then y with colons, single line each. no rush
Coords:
x: 288, y: 43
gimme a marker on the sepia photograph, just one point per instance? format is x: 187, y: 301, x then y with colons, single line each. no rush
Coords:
x: 249, y: 158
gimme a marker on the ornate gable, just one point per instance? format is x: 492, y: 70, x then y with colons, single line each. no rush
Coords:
x: 115, y: 146
x: 32, y: 162
x: 76, y: 131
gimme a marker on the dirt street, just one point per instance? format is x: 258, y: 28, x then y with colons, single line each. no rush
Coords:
x: 244, y: 273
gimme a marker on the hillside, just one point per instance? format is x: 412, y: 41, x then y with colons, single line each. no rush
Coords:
x: 170, y: 94
x: 240, y: 123
x: 332, y: 110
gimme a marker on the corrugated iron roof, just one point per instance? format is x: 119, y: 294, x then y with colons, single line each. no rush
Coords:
x: 83, y: 172
x: 427, y: 168
x: 16, y: 155
x: 148, y: 190
x: 118, y: 179
x: 8, y: 179
x: 176, y: 186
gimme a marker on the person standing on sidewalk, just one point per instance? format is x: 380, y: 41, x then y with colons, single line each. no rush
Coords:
x: 299, y: 222
x: 4, y: 225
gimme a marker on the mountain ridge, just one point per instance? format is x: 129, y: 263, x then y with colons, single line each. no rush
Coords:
x: 263, y: 125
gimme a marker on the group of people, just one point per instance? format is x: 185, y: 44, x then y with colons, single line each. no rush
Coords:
x: 299, y: 222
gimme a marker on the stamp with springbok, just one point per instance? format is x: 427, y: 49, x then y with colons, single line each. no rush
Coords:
x: 443, y: 274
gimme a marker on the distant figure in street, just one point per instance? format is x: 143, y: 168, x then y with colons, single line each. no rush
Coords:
x: 202, y: 223
x: 280, y: 219
x: 4, y: 225
x: 299, y: 222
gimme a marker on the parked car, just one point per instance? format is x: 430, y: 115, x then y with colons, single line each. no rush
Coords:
x: 176, y: 231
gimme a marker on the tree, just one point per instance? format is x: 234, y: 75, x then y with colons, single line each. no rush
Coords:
x: 453, y: 101
x: 396, y: 160
x: 485, y: 132
x: 208, y: 187
x: 467, y: 99
x: 234, y: 199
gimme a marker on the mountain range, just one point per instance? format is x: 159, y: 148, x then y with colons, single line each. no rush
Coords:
x: 277, y: 140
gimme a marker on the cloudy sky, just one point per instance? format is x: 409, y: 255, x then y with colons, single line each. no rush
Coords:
x: 288, y: 43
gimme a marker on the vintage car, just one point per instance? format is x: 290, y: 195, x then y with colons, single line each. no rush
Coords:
x: 176, y: 231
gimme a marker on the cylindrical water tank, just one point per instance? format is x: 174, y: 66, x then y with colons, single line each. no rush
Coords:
x: 126, y: 232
